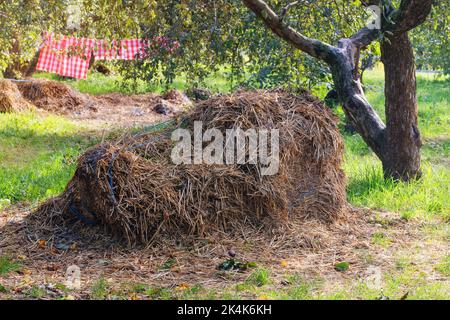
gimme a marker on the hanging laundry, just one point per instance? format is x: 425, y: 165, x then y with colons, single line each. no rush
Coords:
x: 63, y: 59
x: 106, y: 51
x: 70, y: 56
x: 65, y: 56
x: 48, y: 57
x: 131, y: 49
x: 75, y: 57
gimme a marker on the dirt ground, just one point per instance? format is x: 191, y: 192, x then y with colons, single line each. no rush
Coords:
x: 113, y: 110
x: 123, y: 111
x: 310, y: 249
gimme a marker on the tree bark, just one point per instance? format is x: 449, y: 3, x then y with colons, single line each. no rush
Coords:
x: 355, y: 105
x: 31, y: 69
x: 402, y: 150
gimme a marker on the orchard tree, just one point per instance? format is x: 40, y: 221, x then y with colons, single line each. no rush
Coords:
x: 397, y: 143
x: 223, y: 33
x: 23, y: 21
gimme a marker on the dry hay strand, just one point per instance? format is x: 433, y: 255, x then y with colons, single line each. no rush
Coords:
x: 52, y: 96
x: 132, y: 188
x: 11, y: 99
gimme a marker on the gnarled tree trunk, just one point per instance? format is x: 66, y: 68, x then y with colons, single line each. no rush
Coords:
x: 402, y: 155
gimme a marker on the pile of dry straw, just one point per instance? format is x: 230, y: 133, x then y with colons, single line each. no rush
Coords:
x: 45, y: 94
x: 11, y: 99
x: 133, y: 189
x: 52, y: 95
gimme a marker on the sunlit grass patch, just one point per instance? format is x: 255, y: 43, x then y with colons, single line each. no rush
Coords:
x: 97, y: 83
x: 8, y: 265
x: 380, y: 238
x: 100, y: 289
x: 444, y: 266
x: 259, y: 277
x: 426, y: 197
x: 38, y: 155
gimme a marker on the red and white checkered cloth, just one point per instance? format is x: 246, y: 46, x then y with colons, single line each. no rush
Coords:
x: 48, y: 57
x: 75, y: 57
x: 105, y: 51
x: 66, y: 56
x: 130, y: 49
x: 70, y: 56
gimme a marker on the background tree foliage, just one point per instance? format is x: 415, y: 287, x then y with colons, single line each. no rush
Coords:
x: 214, y: 35
x: 431, y: 40
x: 224, y: 34
x: 21, y: 24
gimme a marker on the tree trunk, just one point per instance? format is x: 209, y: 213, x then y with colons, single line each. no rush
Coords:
x: 31, y: 69
x: 13, y: 70
x: 401, y: 159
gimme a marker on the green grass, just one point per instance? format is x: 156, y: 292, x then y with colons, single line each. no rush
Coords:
x: 7, y: 265
x: 444, y: 266
x: 35, y: 292
x: 37, y: 156
x: 259, y: 277
x: 408, y: 282
x: 100, y: 289
x: 97, y: 83
x: 427, y: 197
x: 381, y: 239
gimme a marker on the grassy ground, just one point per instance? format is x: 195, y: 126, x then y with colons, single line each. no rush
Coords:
x: 37, y: 158
x: 97, y: 83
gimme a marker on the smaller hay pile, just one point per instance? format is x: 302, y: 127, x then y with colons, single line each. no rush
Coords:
x: 11, y: 99
x: 52, y: 96
x: 176, y: 97
x: 173, y: 101
x: 133, y: 189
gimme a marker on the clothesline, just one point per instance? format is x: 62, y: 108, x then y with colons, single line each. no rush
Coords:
x: 70, y: 56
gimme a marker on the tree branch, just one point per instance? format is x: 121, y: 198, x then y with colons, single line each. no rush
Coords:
x: 341, y: 60
x: 367, y: 3
x: 410, y: 14
x: 364, y: 37
x: 313, y: 47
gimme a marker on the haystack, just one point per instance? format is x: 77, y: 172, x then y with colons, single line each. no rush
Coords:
x: 10, y: 98
x: 132, y: 187
x: 52, y: 96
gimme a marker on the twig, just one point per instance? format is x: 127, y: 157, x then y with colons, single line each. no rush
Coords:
x: 286, y: 9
